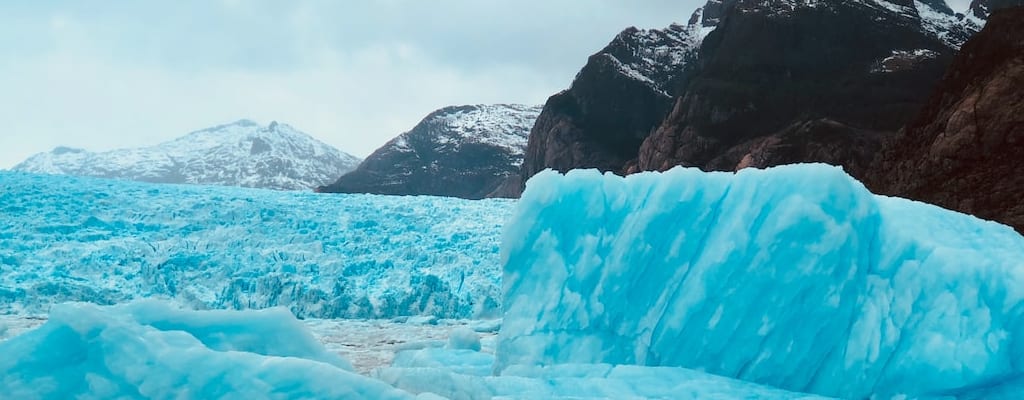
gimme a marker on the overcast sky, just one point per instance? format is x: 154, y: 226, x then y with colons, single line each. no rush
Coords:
x: 108, y: 74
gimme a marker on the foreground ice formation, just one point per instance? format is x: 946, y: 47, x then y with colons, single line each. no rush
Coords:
x: 463, y: 374
x: 795, y: 277
x: 102, y: 241
x: 150, y: 350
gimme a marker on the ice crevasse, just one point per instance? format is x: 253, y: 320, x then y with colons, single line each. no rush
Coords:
x: 796, y: 277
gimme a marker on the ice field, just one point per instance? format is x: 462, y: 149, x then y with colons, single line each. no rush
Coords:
x: 787, y: 283
x: 206, y: 247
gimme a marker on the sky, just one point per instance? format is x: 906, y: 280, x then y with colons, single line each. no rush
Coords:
x: 102, y: 75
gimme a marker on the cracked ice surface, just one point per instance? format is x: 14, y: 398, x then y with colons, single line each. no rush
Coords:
x: 323, y: 256
x: 795, y: 277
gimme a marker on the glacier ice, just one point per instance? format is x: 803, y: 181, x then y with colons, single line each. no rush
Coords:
x: 463, y: 338
x: 795, y: 277
x: 148, y: 349
x: 463, y: 374
x: 68, y: 238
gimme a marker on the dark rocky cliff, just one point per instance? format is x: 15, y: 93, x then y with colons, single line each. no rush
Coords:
x: 615, y: 102
x: 779, y: 83
x: 964, y: 150
x: 752, y: 83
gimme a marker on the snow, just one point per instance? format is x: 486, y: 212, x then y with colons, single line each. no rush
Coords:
x: 242, y: 153
x: 950, y: 29
x: 149, y: 350
x: 795, y: 277
x: 903, y: 59
x: 356, y: 256
x: 504, y: 126
x: 655, y: 55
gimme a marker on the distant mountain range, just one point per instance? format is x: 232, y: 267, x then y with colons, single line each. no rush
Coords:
x: 242, y: 153
x: 472, y: 151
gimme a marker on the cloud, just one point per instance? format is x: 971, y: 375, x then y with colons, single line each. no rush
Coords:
x: 124, y: 74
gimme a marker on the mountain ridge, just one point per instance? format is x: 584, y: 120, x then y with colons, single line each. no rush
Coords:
x: 468, y: 151
x: 240, y: 153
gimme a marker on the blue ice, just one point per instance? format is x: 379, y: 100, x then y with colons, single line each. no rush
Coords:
x: 68, y: 238
x: 795, y: 277
x: 148, y: 349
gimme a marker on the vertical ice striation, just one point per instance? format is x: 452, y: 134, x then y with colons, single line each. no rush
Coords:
x: 795, y: 277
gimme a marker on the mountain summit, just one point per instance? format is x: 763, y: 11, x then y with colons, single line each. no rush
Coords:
x: 242, y: 153
x: 471, y: 151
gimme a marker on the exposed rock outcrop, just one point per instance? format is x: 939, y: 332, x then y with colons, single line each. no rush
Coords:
x: 784, y: 82
x: 964, y: 150
x: 616, y: 100
x: 752, y: 83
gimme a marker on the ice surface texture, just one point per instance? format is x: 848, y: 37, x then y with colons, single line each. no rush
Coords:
x: 83, y: 239
x: 463, y: 375
x: 150, y: 350
x: 795, y: 277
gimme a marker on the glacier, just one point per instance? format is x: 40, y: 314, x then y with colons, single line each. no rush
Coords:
x: 148, y: 349
x: 795, y: 277
x: 788, y: 283
x: 457, y: 375
x: 151, y: 349
x: 65, y: 238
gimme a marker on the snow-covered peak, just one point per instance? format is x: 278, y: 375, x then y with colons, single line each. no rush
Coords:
x: 460, y: 151
x: 505, y: 126
x: 241, y: 153
x: 655, y: 56
x: 501, y: 125
x: 934, y: 17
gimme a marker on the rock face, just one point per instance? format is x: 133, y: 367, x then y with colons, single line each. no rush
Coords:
x: 752, y: 83
x: 616, y: 100
x: 242, y: 153
x: 466, y: 151
x: 800, y: 82
x: 964, y: 150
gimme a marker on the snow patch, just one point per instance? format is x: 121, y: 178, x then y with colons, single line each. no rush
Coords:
x: 903, y: 60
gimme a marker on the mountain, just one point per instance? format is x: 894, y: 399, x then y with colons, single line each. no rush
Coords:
x: 799, y: 82
x: 752, y: 83
x: 470, y: 152
x: 963, y: 150
x: 619, y: 96
x: 241, y: 153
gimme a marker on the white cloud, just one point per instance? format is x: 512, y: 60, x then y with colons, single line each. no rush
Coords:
x: 353, y: 75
